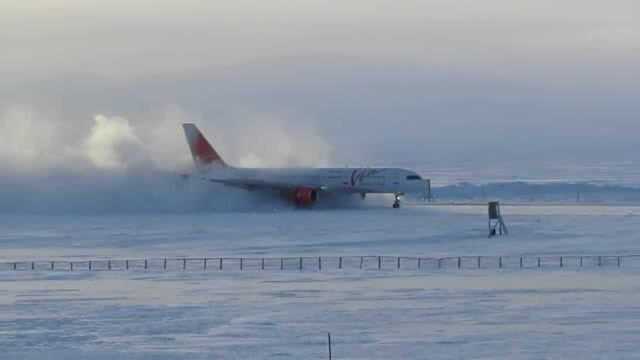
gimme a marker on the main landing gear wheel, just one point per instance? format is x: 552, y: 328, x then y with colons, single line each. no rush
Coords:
x: 396, y: 203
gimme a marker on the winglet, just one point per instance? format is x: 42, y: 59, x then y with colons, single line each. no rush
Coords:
x: 201, y: 150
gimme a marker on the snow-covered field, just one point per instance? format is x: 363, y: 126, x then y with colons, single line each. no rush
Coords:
x: 533, y: 314
x: 413, y: 230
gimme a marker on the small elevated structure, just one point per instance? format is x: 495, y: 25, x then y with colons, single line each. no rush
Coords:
x: 497, y: 227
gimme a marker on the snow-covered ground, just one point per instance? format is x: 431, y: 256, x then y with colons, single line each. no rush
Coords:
x: 468, y: 315
x: 413, y: 230
x: 532, y: 314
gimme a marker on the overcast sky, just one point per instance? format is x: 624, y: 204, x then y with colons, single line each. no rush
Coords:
x: 321, y: 82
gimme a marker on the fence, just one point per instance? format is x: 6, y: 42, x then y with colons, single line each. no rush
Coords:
x: 328, y: 263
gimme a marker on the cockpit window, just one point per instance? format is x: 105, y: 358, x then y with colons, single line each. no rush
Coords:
x: 414, y: 177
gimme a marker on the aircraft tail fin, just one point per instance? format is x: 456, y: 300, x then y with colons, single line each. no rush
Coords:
x: 203, y: 153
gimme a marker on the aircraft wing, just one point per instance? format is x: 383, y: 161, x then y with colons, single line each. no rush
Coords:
x: 255, y: 184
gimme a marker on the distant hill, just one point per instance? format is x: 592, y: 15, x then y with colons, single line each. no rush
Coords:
x: 524, y: 191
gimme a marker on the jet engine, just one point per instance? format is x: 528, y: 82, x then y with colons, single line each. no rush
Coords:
x: 305, y: 196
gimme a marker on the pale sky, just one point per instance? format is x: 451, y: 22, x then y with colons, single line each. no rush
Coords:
x: 375, y: 82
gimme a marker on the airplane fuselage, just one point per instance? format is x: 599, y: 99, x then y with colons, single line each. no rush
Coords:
x: 345, y: 180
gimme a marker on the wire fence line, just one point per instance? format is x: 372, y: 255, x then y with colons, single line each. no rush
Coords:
x: 328, y: 263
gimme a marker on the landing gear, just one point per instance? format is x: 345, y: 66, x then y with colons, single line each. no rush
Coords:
x: 396, y: 203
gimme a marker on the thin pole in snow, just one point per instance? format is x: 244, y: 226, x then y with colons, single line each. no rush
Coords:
x: 329, y: 337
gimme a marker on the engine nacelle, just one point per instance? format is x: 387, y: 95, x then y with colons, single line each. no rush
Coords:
x: 305, y: 196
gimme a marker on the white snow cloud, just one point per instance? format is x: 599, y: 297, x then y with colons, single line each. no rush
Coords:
x: 27, y: 139
x: 113, y: 144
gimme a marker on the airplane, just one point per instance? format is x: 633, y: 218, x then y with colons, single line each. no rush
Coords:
x: 302, y: 186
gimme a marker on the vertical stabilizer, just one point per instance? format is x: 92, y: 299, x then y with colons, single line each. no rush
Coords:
x: 203, y: 153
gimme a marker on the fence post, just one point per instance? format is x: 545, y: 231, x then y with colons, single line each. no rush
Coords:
x: 90, y: 265
x: 379, y: 262
x: 361, y: 262
x: 340, y: 263
x: 599, y: 260
x: 619, y: 260
x: 459, y: 262
x: 561, y: 261
x: 419, y: 263
x: 220, y: 266
x: 205, y: 264
x: 439, y: 263
x: 126, y: 265
x: 262, y: 264
x: 15, y: 266
x: 109, y: 265
x: 146, y: 264
x: 71, y: 266
x: 33, y: 265
x: 521, y: 262
x: 539, y: 263
x: 500, y: 262
x: 479, y: 262
x: 53, y: 265
x: 164, y: 264
x: 281, y: 264
x: 301, y: 263
x: 184, y: 264
x: 399, y: 262
x: 241, y: 264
